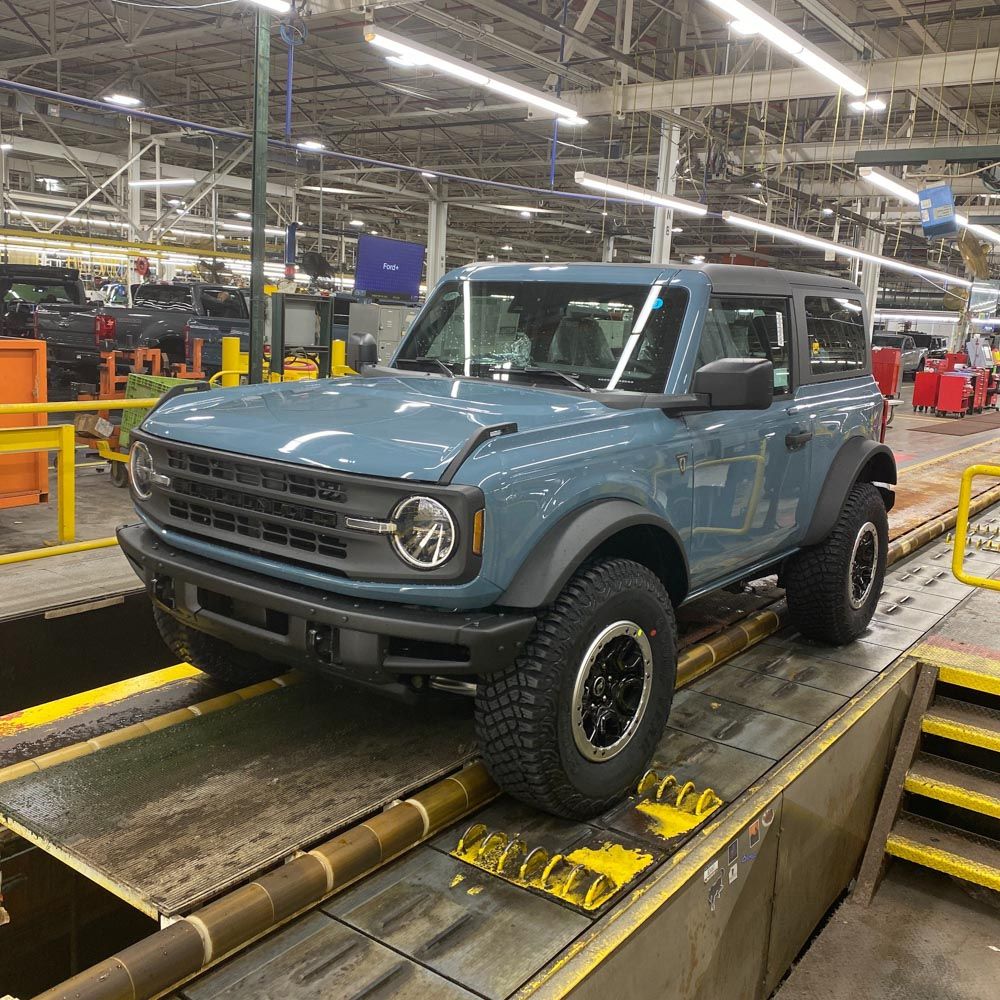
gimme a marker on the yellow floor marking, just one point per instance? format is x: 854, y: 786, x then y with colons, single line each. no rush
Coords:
x: 974, y: 736
x: 74, y: 704
x: 951, y: 454
x: 956, y: 795
x: 943, y: 861
x: 976, y: 670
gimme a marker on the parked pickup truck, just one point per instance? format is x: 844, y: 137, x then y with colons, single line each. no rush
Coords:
x: 24, y: 287
x: 159, y: 317
x: 555, y: 459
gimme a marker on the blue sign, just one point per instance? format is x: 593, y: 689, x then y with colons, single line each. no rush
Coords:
x: 937, y: 211
x: 389, y: 267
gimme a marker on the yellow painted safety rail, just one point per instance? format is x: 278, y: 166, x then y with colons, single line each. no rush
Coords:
x: 962, y: 529
x: 60, y: 438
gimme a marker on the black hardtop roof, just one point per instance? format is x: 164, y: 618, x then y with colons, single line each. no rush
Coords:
x: 39, y: 271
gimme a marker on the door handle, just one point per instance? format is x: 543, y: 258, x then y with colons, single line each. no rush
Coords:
x: 793, y: 442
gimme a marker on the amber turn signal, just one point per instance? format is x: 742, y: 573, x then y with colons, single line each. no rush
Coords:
x: 478, y: 526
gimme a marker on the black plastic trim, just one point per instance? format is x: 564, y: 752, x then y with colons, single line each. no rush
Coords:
x: 364, y: 628
x: 481, y: 436
x: 560, y: 553
x: 843, y: 473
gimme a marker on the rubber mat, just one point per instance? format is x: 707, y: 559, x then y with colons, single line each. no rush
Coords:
x: 170, y: 820
x: 960, y: 426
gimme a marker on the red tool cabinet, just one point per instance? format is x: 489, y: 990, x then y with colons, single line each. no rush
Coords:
x: 925, y: 390
x: 954, y: 394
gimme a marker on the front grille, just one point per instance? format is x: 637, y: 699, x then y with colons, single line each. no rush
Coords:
x: 253, y: 503
x: 256, y: 529
x: 303, y: 485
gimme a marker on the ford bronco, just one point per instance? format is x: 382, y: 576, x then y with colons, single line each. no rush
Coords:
x: 556, y: 458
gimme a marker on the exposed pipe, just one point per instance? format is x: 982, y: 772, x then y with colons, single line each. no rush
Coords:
x: 258, y: 192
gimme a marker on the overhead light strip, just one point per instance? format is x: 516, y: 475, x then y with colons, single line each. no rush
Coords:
x: 408, y: 53
x: 632, y: 192
x: 828, y: 246
x: 749, y: 19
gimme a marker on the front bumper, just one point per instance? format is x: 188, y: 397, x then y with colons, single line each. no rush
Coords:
x: 364, y: 641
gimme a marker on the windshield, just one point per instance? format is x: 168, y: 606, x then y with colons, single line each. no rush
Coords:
x: 604, y: 336
x: 173, y: 297
x: 41, y: 290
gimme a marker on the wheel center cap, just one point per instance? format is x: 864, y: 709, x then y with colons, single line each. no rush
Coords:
x: 600, y: 685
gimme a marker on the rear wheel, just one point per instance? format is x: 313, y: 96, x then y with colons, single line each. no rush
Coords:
x: 571, y: 726
x: 834, y: 587
x: 231, y: 666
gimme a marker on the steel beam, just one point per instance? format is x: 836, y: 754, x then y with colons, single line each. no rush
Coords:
x: 917, y: 155
x: 262, y: 73
x: 963, y: 68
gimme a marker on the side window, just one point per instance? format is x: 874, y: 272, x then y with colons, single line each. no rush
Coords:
x: 748, y: 327
x: 836, y: 332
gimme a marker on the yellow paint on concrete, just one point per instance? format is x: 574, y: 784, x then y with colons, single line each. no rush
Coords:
x: 965, y: 798
x: 457, y: 879
x: 975, y: 736
x: 665, y: 820
x: 40, y: 715
x: 975, y: 670
x: 475, y: 890
x: 620, y: 864
x: 943, y: 861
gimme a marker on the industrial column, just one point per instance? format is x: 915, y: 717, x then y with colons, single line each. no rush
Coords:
x: 133, y: 195
x: 872, y: 242
x: 437, y: 233
x: 262, y: 72
x: 666, y: 183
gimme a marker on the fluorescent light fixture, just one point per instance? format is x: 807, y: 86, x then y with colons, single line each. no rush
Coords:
x: 588, y: 230
x: 507, y: 247
x: 525, y: 213
x: 749, y: 19
x: 889, y: 316
x: 414, y: 54
x: 310, y: 144
x: 631, y: 192
x: 373, y: 232
x: 427, y: 173
x: 327, y: 190
x: 278, y: 6
x: 357, y: 223
x: 828, y: 246
x: 237, y: 227
x: 6, y: 147
x: 677, y: 229
x: 530, y: 209
x: 872, y: 104
x: 123, y: 100
x: 895, y: 187
x: 827, y: 211
x: 243, y: 215
x: 163, y: 182
x: 174, y: 202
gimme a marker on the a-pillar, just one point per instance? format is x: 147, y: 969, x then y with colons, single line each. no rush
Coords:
x: 666, y: 183
x: 437, y: 234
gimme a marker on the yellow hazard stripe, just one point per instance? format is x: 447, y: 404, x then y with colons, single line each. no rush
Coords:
x: 961, y: 732
x: 74, y: 704
x: 943, y: 861
x: 976, y: 670
x: 955, y: 795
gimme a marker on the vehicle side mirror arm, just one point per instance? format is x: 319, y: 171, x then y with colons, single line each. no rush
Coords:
x: 675, y: 406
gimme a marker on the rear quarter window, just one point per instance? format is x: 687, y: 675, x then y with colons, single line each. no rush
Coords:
x: 837, y: 342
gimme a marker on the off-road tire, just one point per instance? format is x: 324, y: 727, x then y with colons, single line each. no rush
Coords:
x: 523, y: 714
x: 817, y: 579
x: 230, y: 666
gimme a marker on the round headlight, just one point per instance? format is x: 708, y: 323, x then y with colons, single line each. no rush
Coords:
x: 425, y: 534
x: 140, y: 465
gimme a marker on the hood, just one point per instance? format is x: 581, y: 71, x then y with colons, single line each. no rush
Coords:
x: 408, y: 427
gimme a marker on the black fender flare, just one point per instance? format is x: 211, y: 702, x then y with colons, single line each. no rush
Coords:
x: 570, y: 541
x: 855, y: 456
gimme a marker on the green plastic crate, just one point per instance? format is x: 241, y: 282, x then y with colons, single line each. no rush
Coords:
x: 143, y: 387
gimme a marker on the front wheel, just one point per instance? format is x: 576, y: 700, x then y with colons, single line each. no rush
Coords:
x: 834, y: 587
x: 571, y: 726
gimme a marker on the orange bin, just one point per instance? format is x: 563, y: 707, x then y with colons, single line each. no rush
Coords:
x: 24, y: 478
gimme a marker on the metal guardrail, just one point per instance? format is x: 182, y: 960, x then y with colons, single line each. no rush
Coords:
x: 62, y: 439
x: 962, y: 528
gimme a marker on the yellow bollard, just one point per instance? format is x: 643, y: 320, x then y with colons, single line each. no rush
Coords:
x: 230, y: 362
x: 338, y: 358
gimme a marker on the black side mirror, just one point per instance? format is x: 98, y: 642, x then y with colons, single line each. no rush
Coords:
x: 736, y: 383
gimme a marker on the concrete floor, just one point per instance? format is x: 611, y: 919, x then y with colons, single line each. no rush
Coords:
x: 923, y: 938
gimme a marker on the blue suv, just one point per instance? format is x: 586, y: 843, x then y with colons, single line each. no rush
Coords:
x: 557, y: 457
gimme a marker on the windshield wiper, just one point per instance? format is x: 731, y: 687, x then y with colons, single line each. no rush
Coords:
x: 547, y: 373
x: 427, y: 364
